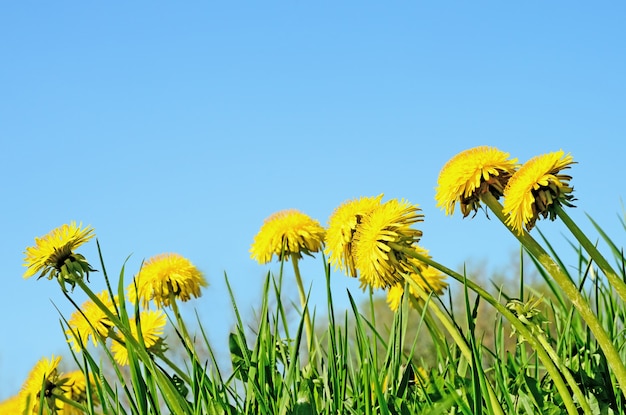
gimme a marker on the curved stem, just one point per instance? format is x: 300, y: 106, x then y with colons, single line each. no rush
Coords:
x: 458, y: 339
x: 169, y: 391
x: 593, y: 252
x: 548, y: 363
x: 175, y: 368
x: 570, y: 290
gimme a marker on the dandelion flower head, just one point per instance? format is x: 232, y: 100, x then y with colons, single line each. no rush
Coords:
x: 469, y: 174
x: 11, y: 405
x: 43, y: 375
x: 342, y: 226
x: 428, y: 278
x: 536, y: 189
x: 164, y: 275
x: 394, y: 296
x: 74, y: 385
x: 90, y: 321
x: 152, y: 325
x: 287, y: 232
x: 53, y: 255
x: 379, y: 263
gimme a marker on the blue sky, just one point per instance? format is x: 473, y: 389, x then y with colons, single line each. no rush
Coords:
x: 179, y: 127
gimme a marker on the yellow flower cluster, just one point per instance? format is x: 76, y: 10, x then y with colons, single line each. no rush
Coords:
x: 429, y: 279
x: 162, y: 280
x: 92, y: 321
x: 45, y: 380
x: 366, y: 238
x: 532, y: 190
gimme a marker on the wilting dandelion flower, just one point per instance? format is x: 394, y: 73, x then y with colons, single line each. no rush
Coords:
x: 152, y: 324
x: 536, y: 189
x: 43, y: 378
x: 428, y: 278
x: 90, y: 321
x: 164, y: 275
x: 287, y: 232
x: 53, y: 255
x: 341, y: 229
x: 379, y: 264
x: 470, y: 174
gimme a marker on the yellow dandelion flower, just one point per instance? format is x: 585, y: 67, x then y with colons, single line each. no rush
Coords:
x: 53, y: 254
x: 43, y: 378
x: 471, y: 173
x: 380, y: 265
x: 164, y: 275
x: 341, y: 228
x: 287, y: 232
x: 428, y: 278
x: 536, y: 189
x: 421, y: 376
x: 394, y: 296
x: 74, y: 387
x: 90, y: 321
x: 152, y: 324
x: 11, y: 405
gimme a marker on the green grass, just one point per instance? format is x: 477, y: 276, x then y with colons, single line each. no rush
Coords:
x: 540, y: 355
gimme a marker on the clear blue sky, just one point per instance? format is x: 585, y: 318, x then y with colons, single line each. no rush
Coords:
x: 179, y: 127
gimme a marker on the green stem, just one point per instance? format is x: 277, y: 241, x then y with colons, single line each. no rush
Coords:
x: 614, y: 279
x: 456, y: 336
x: 550, y: 366
x: 169, y: 391
x: 63, y: 398
x: 175, y: 368
x: 181, y: 324
x: 303, y: 302
x: 566, y: 373
x: 570, y: 290
x: 189, y: 344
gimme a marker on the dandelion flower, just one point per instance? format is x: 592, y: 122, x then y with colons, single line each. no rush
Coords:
x: 43, y: 375
x: 287, y: 232
x: 394, y: 296
x: 74, y: 387
x: 152, y: 324
x: 536, y: 189
x: 53, y: 254
x: 11, y: 405
x: 341, y: 228
x: 428, y: 278
x: 470, y: 174
x: 164, y: 275
x: 90, y: 321
x: 421, y: 377
x: 378, y: 263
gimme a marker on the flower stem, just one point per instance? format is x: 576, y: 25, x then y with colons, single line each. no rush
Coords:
x: 303, y: 302
x: 570, y: 290
x: 543, y: 355
x: 593, y: 252
x: 168, y: 389
x: 458, y: 338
